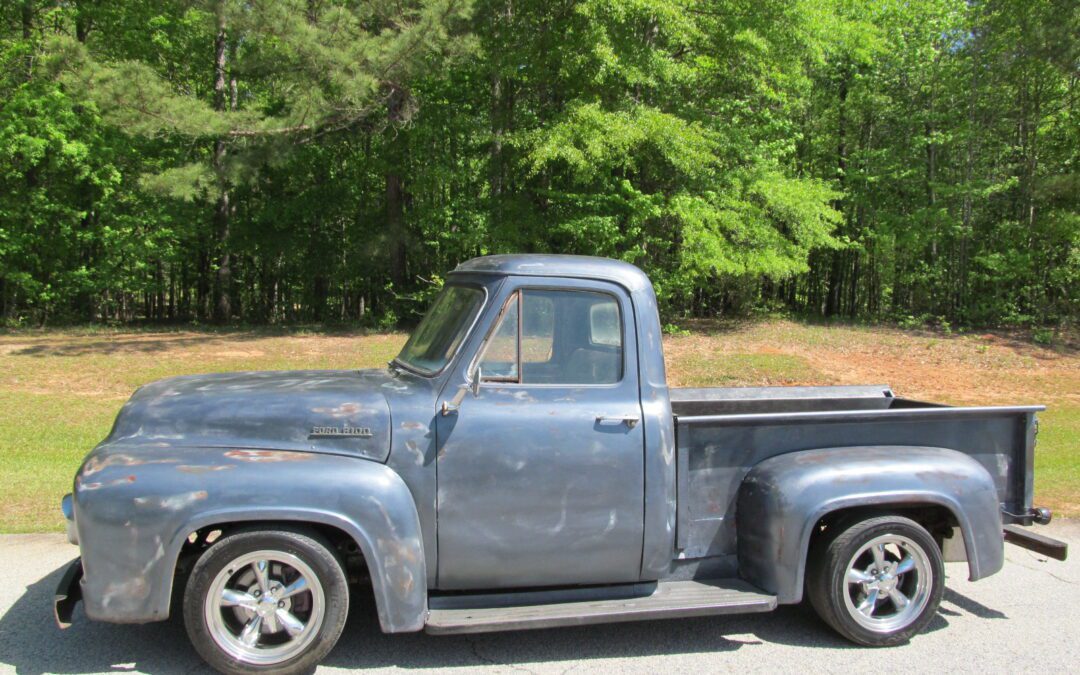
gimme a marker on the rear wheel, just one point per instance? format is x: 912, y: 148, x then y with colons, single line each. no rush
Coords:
x: 878, y: 581
x: 265, y: 601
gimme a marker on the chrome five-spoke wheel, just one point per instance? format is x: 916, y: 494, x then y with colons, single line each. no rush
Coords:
x: 877, y: 581
x: 888, y: 583
x: 268, y: 607
x: 266, y: 601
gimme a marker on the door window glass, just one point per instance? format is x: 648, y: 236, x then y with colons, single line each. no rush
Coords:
x: 537, y: 329
x: 556, y: 337
x: 500, y: 363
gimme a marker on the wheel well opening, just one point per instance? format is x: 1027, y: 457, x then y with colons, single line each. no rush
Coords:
x: 203, y: 538
x: 939, y: 521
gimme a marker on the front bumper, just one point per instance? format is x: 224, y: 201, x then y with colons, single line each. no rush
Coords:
x: 68, y: 594
x: 67, y: 507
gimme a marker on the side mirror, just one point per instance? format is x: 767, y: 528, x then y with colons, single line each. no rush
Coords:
x: 476, y: 377
x: 452, y: 406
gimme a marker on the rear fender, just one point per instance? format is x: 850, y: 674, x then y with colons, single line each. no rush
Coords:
x: 135, y: 512
x: 783, y: 498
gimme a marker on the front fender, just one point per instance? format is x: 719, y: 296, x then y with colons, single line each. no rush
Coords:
x: 134, y: 510
x: 783, y: 498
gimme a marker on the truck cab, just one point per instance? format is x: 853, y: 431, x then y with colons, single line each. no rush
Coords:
x: 541, y: 466
x: 523, y: 463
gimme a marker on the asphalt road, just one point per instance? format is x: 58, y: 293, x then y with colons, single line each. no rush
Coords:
x: 1024, y: 619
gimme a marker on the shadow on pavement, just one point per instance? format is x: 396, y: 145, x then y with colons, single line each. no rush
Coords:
x: 971, y: 606
x: 31, y: 643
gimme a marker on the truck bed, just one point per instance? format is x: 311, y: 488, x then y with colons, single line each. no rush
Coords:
x: 722, y: 432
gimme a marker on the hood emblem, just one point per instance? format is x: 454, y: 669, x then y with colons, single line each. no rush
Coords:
x: 340, y: 432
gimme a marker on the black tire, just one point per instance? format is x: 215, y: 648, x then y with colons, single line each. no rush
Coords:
x: 313, y: 551
x: 837, y: 600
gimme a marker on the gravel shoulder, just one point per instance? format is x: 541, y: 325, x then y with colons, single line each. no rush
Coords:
x: 1024, y: 619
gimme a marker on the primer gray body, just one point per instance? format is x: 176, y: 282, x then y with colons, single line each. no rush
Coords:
x: 522, y: 486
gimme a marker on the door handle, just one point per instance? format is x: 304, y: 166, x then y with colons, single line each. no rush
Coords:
x: 629, y: 420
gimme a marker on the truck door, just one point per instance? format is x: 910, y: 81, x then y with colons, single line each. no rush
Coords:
x: 540, y: 476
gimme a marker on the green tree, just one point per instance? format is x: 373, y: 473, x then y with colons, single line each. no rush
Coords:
x: 328, y: 160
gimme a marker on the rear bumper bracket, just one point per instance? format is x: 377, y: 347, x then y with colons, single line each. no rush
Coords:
x: 1043, y: 545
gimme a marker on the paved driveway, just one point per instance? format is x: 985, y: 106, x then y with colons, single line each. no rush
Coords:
x: 1025, y: 619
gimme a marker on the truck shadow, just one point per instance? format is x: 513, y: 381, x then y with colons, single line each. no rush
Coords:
x: 31, y: 644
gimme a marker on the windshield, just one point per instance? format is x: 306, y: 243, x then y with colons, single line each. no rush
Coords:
x: 439, y: 335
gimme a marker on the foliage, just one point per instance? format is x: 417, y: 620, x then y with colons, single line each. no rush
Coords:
x: 323, y: 160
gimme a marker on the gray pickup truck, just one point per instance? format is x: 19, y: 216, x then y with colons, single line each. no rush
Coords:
x: 523, y: 464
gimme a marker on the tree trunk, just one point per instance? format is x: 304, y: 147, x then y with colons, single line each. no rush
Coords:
x: 968, y: 206
x: 495, y: 163
x: 395, y: 193
x: 501, y: 108
x: 83, y: 23
x: 222, y: 210
x: 836, y: 271
x: 27, y: 31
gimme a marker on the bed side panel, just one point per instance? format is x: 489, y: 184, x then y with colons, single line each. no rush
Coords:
x: 714, y: 457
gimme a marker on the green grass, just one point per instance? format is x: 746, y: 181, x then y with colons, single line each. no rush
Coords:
x: 45, y: 439
x: 731, y: 370
x: 1057, y: 460
x: 60, y: 390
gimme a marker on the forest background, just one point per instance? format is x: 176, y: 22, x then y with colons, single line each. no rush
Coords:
x: 293, y: 161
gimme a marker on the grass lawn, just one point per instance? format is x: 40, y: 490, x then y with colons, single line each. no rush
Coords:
x: 59, y: 390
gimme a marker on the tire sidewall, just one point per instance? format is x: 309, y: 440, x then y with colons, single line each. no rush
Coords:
x: 313, y: 550
x: 832, y: 573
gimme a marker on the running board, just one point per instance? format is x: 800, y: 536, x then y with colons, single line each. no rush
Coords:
x: 637, y: 602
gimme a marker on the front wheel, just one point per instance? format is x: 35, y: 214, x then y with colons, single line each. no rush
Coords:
x: 877, y: 582
x: 266, y: 601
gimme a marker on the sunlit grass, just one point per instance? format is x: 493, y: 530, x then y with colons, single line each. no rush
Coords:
x: 44, y: 439
x: 731, y: 370
x: 1057, y: 460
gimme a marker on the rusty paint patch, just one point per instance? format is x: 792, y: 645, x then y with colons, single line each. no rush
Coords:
x: 172, y: 502
x: 96, y: 464
x: 81, y: 485
x: 343, y: 410
x: 267, y: 456
x: 203, y: 468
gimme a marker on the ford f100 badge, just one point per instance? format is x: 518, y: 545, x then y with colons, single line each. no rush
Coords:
x: 340, y: 432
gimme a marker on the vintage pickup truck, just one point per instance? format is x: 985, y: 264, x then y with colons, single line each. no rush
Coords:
x: 523, y: 464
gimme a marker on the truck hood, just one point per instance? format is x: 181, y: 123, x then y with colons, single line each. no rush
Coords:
x: 330, y: 411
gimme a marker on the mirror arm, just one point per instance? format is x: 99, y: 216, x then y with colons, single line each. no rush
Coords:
x: 454, y: 404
